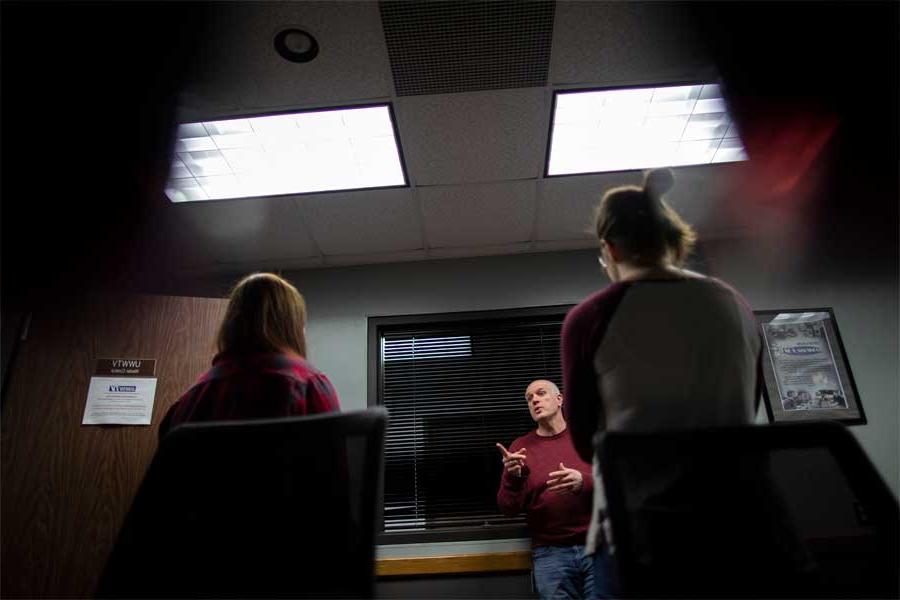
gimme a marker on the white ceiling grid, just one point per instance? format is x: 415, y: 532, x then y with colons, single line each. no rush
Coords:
x: 474, y: 159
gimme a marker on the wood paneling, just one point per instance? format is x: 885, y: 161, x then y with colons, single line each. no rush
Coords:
x: 66, y: 487
x: 459, y: 563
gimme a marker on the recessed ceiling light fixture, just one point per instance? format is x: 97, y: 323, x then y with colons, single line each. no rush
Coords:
x: 597, y: 131
x: 289, y: 153
x: 296, y: 45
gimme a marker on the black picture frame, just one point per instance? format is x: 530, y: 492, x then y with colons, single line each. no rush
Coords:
x: 805, y: 368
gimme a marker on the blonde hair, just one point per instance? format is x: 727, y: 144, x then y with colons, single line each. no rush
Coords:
x: 640, y: 223
x: 265, y: 314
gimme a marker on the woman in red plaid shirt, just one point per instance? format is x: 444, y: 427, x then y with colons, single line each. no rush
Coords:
x: 260, y: 370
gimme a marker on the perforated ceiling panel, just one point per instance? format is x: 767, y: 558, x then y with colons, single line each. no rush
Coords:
x: 442, y: 47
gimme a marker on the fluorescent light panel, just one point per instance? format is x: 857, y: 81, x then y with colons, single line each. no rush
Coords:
x: 296, y: 153
x: 641, y: 128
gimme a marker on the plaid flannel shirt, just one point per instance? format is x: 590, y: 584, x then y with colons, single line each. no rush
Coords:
x: 261, y: 386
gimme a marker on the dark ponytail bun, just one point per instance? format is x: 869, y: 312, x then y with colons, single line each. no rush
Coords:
x: 642, y: 224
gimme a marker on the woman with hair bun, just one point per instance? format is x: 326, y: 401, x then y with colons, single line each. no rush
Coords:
x: 661, y: 347
x: 260, y: 370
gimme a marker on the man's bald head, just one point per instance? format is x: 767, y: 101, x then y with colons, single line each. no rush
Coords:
x: 552, y: 387
x: 544, y: 400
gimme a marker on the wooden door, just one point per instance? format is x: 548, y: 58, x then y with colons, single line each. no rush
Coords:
x: 67, y: 487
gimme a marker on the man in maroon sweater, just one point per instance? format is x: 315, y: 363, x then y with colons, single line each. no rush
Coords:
x: 544, y: 477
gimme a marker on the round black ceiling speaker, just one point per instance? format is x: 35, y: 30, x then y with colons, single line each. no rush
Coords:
x: 296, y: 45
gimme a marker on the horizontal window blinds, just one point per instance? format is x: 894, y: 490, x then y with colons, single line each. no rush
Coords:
x: 453, y: 392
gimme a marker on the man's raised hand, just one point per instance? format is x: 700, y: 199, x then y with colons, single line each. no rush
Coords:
x: 513, y: 462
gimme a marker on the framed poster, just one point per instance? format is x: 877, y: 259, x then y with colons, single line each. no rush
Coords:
x: 806, y: 371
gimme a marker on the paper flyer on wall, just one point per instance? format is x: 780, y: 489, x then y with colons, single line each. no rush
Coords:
x: 804, y: 365
x: 120, y: 393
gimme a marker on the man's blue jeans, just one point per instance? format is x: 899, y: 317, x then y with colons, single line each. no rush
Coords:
x: 565, y: 572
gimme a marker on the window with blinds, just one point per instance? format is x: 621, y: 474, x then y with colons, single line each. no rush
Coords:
x: 454, y: 386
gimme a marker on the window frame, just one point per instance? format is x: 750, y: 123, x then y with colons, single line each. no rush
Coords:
x: 377, y: 325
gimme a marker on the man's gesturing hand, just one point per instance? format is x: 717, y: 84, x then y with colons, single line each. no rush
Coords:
x: 513, y: 462
x: 565, y: 481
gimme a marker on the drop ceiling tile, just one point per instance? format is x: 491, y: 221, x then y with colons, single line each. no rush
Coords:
x: 352, y: 62
x: 448, y: 47
x: 246, y: 230
x: 474, y: 137
x: 290, y: 264
x: 567, y: 203
x: 239, y: 62
x: 206, y: 100
x: 364, y: 221
x: 374, y: 258
x: 473, y: 251
x: 605, y: 43
x: 478, y: 214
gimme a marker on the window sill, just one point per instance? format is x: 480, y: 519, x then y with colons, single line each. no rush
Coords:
x: 454, y: 564
x: 484, y: 556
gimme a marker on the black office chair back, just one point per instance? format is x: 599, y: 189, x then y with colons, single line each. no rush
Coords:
x: 250, y: 509
x: 782, y: 511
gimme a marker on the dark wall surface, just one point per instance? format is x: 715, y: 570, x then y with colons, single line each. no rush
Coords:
x: 88, y: 105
